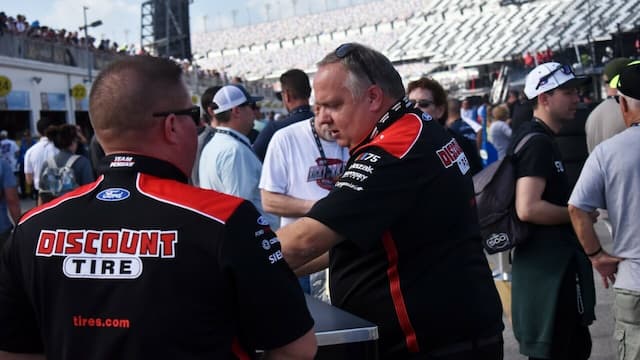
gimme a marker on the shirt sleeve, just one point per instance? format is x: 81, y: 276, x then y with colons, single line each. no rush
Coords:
x: 28, y: 168
x: 535, y: 158
x: 19, y: 331
x: 274, y: 169
x: 377, y: 184
x: 588, y: 194
x: 270, y: 301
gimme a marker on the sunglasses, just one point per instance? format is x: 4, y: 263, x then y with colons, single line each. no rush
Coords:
x: 347, y: 49
x: 423, y: 103
x: 194, y: 112
x: 566, y: 69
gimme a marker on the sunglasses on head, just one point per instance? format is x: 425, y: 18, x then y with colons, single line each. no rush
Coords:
x: 423, y: 103
x: 347, y: 49
x: 566, y: 69
x: 194, y: 112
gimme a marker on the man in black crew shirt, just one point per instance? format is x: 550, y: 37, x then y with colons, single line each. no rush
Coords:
x: 140, y: 265
x: 401, y: 223
x: 553, y: 294
x: 296, y: 91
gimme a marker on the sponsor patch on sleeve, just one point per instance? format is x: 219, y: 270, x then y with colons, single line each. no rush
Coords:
x: 451, y: 154
x: 268, y: 241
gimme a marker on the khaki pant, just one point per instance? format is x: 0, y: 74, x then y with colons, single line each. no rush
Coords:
x: 627, y: 331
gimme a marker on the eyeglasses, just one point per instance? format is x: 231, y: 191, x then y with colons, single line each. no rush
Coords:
x: 566, y: 69
x: 345, y: 50
x: 194, y: 112
x: 423, y: 103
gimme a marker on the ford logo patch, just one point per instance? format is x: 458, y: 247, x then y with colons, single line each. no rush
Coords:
x: 113, y: 194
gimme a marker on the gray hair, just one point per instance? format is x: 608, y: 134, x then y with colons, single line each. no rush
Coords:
x: 379, y: 67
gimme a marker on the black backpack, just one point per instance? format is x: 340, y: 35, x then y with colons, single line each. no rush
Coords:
x: 495, y: 188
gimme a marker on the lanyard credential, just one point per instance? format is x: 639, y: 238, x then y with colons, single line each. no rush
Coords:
x: 317, y: 139
x: 323, y: 157
x: 227, y: 132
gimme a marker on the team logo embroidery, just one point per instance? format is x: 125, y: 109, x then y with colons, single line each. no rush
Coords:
x: 106, y: 254
x: 368, y: 157
x: 262, y: 221
x: 122, y: 161
x: 113, y: 194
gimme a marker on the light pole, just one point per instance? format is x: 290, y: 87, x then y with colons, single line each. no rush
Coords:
x: 86, y: 38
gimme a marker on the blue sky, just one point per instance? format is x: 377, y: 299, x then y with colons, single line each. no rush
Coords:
x: 121, y: 18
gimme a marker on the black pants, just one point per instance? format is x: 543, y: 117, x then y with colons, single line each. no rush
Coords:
x: 493, y: 351
x: 472, y: 350
x: 571, y: 339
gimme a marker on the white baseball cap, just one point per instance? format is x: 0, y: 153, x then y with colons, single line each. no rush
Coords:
x: 231, y: 96
x: 548, y: 76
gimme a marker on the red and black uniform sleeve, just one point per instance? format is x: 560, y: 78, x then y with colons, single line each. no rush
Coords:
x: 19, y: 330
x: 271, y: 304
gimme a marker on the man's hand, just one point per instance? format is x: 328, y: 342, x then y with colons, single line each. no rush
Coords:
x: 594, y: 216
x: 607, y: 266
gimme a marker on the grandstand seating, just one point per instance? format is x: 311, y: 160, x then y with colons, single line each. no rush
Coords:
x: 451, y: 32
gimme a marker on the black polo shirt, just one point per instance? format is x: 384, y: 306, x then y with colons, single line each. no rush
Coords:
x: 140, y: 265
x: 541, y: 157
x: 412, y: 261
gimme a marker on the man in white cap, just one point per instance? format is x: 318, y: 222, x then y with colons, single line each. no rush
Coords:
x: 228, y: 163
x: 553, y: 294
x: 609, y: 180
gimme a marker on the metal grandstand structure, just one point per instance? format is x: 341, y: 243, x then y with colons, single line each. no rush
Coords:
x: 164, y: 28
x: 429, y: 33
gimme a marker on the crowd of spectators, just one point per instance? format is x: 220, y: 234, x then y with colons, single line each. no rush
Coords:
x: 19, y: 26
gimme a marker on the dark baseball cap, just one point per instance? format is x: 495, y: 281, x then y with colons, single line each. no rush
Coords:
x: 613, y: 68
x: 629, y: 81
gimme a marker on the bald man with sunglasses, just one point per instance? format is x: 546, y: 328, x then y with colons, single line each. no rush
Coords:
x: 139, y: 264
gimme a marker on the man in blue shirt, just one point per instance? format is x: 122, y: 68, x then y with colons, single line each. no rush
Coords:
x: 228, y: 163
x: 296, y: 91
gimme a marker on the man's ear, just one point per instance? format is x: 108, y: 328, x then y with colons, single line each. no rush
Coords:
x: 170, y: 129
x: 375, y: 96
x: 624, y: 105
x: 210, y: 110
x: 543, y: 99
